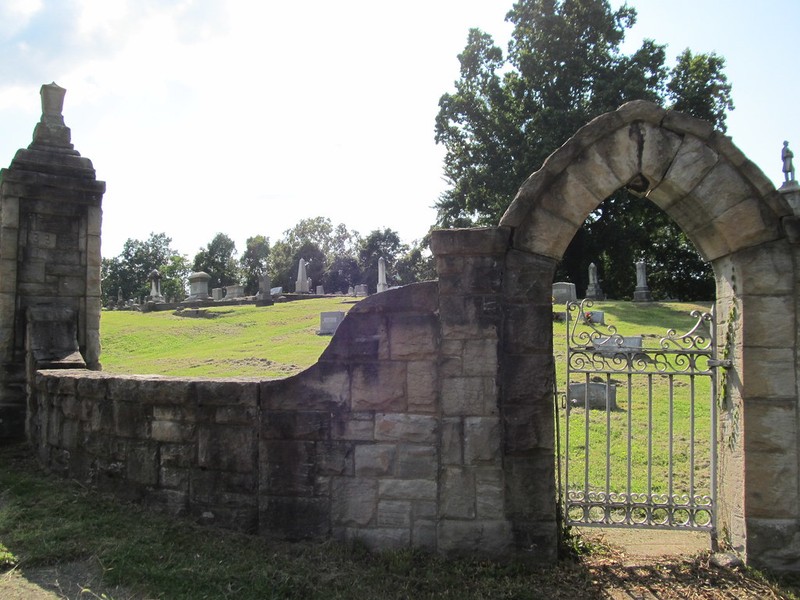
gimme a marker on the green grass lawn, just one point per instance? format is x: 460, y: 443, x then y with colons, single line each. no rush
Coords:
x: 250, y: 341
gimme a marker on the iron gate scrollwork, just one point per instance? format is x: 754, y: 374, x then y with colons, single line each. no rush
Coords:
x: 639, y: 430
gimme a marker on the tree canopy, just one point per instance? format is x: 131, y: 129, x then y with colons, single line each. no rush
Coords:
x: 218, y: 259
x: 128, y: 273
x: 563, y: 67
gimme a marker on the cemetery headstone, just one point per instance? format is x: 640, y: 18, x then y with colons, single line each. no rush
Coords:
x: 382, y: 285
x: 642, y: 292
x: 593, y: 291
x: 301, y: 285
x: 155, y: 286
x: 320, y: 290
x: 198, y: 286
x: 216, y: 294
x: 564, y: 292
x: 234, y: 291
x: 361, y: 290
x: 329, y: 322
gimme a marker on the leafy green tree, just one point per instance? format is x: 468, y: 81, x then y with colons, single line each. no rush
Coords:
x: 129, y: 271
x: 218, y: 259
x: 321, y: 245
x: 564, y: 66
x: 253, y: 262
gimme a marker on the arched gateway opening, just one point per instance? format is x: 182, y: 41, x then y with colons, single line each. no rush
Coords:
x: 743, y: 227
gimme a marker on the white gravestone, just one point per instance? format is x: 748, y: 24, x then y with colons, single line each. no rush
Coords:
x: 329, y: 322
x: 564, y: 292
x: 198, y: 286
x: 382, y: 285
x: 301, y: 285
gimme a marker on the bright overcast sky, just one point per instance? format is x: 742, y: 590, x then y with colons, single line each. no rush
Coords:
x: 243, y: 117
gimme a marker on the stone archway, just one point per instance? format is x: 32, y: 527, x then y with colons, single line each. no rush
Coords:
x: 738, y: 222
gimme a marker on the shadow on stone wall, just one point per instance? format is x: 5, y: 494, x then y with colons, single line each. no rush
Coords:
x: 347, y: 448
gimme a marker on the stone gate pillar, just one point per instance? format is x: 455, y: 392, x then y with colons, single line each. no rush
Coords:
x: 50, y: 214
x: 472, y: 485
x: 497, y: 480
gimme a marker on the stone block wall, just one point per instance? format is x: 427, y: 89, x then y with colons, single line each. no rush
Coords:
x: 348, y: 448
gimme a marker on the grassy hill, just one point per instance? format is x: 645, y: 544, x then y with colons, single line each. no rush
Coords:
x: 250, y: 341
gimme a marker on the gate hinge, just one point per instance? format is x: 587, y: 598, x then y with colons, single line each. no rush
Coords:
x: 726, y: 363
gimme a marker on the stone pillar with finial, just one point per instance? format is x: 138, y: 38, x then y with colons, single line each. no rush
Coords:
x: 50, y: 218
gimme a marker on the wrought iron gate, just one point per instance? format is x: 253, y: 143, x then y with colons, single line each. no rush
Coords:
x: 639, y: 425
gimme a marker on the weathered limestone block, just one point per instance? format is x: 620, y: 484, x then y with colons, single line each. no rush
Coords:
x: 482, y: 440
x: 476, y: 396
x: 228, y: 448
x: 323, y: 386
x: 530, y: 487
x: 334, y: 458
x: 771, y: 481
x: 457, y: 499
x: 353, y: 426
x: 779, y: 379
x: 290, y: 425
x: 766, y: 270
x: 622, y: 156
x: 413, y: 337
x: 658, y: 151
x: 761, y: 314
x: 487, y: 537
x: 407, y: 489
x: 569, y: 198
x: 131, y: 420
x: 379, y: 386
x: 528, y: 328
x: 375, y: 460
x: 466, y: 317
x: 354, y: 501
x: 774, y: 544
x: 294, y: 518
x: 489, y: 493
x: 416, y: 461
x: 480, y: 356
x: 287, y: 468
x: 423, y: 534
x: 545, y: 233
x: 222, y: 392
x: 682, y: 124
x: 421, y: 383
x: 394, y: 514
x: 142, y: 463
x: 452, y: 441
x: 691, y: 164
x: 406, y: 428
x: 592, y: 169
x: 172, y: 431
x: 528, y: 277
x: 360, y: 336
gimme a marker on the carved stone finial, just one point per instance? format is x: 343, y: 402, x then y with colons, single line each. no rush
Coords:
x: 51, y: 129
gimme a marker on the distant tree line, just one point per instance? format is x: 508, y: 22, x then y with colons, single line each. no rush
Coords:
x: 336, y: 258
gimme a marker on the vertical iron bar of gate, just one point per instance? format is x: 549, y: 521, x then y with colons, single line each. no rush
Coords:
x: 714, y: 381
x: 670, y: 497
x: 691, y: 440
x: 651, y: 511
x: 608, y: 448
x: 629, y: 359
x: 586, y: 445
